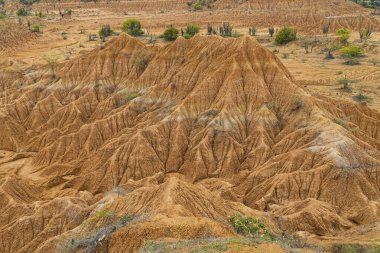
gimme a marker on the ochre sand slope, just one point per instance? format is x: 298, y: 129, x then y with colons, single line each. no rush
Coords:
x: 192, y: 133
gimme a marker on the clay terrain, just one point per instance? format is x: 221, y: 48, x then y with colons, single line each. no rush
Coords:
x: 214, y: 143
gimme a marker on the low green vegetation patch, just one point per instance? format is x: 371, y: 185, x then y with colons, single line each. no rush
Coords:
x: 22, y: 12
x: 352, y: 51
x: 204, y: 245
x: 355, y: 248
x: 133, y: 27
x: 343, y: 35
x: 170, y: 34
x: 99, y: 227
x: 251, y: 227
x: 191, y: 30
x: 362, y: 98
x: 105, y: 31
x: 285, y: 35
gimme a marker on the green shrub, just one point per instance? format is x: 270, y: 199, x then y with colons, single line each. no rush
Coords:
x: 362, y: 98
x: 343, y: 35
x: 171, y: 34
x: 28, y: 2
x: 352, y: 62
x: 35, y: 28
x: 352, y: 51
x: 285, y: 35
x: 2, y: 15
x: 1, y: 2
x: 22, y: 12
x: 191, y: 30
x: 133, y: 27
x: 250, y: 226
x: 197, y: 6
x: 68, y: 11
x: 105, y: 31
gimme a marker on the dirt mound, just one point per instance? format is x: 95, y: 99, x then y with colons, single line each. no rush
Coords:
x: 182, y: 136
x: 14, y: 36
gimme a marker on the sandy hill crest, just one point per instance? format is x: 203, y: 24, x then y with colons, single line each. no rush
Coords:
x: 220, y: 122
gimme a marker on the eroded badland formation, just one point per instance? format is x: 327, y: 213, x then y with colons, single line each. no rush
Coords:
x: 227, y: 141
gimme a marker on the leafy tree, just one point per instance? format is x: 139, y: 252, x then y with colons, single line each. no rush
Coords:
x: 133, y: 27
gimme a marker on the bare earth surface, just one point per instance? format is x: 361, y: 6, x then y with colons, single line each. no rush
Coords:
x: 107, y: 155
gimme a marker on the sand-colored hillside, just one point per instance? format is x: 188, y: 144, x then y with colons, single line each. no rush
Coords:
x: 182, y: 136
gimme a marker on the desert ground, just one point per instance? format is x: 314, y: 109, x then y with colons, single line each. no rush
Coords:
x: 214, y: 143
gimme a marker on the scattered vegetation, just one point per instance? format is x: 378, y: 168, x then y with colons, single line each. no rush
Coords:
x: 346, y: 83
x: 171, y: 34
x: 365, y: 34
x: 28, y: 2
x: 297, y: 102
x: 200, y: 4
x: 203, y: 245
x: 352, y: 51
x: 52, y: 62
x: 191, y: 30
x: 22, y: 12
x: 352, y: 62
x: 211, y: 30
x: 252, y: 31
x: 362, y: 98
x: 355, y: 248
x: 226, y: 30
x: 285, y: 35
x: 100, y: 227
x: 35, y: 28
x: 343, y: 35
x: 251, y: 226
x: 133, y: 27
x: 105, y: 31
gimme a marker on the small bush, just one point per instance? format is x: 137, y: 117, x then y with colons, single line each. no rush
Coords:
x: 1, y: 2
x: 352, y: 62
x: 285, y: 35
x: 22, y: 12
x: 250, y: 226
x: 2, y: 15
x: 68, y: 12
x: 226, y: 30
x: 27, y: 2
x: 352, y: 51
x: 197, y: 6
x: 133, y: 27
x: 191, y: 30
x: 343, y: 35
x: 362, y: 98
x: 105, y: 31
x: 171, y: 34
x: 35, y: 28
